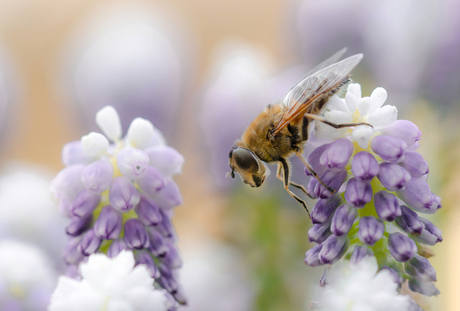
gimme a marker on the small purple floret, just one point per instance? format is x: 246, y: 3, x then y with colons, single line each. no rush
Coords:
x: 370, y: 230
x: 392, y: 176
x: 389, y: 148
x: 318, y: 233
x: 333, y: 249
x: 409, y: 221
x: 358, y: 193
x: 323, y: 210
x: 78, y: 225
x: 152, y: 182
x: 71, y: 254
x: 404, y: 130
x: 172, y: 258
x: 135, y: 234
x: 158, y: 246
x: 343, y: 219
x: 166, y: 159
x: 148, y: 211
x: 424, y: 288
x: 415, y: 164
x: 314, y: 160
x: 90, y: 243
x: 85, y: 203
x: 359, y: 252
x: 417, y: 195
x: 386, y: 206
x: 401, y: 247
x: 420, y: 268
x: 311, y: 256
x: 132, y: 162
x: 116, y: 247
x: 123, y: 196
x: 364, y: 166
x: 337, y: 154
x: 333, y: 179
x: 144, y: 258
x: 97, y: 176
x: 169, y: 196
x: 430, y: 234
x: 109, y: 223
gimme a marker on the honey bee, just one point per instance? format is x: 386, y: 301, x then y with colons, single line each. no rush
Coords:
x: 281, y: 130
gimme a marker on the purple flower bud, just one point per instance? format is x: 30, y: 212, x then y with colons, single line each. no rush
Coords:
x: 97, y: 176
x: 167, y: 280
x: 417, y: 195
x: 65, y: 208
x: 359, y: 252
x: 396, y: 277
x: 70, y: 253
x: 436, y: 204
x: 333, y: 179
x: 333, y: 249
x: 169, y: 196
x: 409, y: 221
x: 404, y: 130
x: 337, y: 154
x: 143, y: 257
x: 343, y: 219
x: 165, y: 159
x: 116, y: 247
x: 311, y: 256
x: 324, y: 209
x: 72, y: 272
x: 420, y: 268
x: 109, y: 223
x: 85, y: 203
x: 314, y: 161
x: 393, y: 176
x: 89, y: 243
x: 172, y: 258
x: 72, y: 153
x: 386, y: 206
x: 123, y: 196
x: 135, y: 235
x: 132, y: 162
x: 158, y: 246
x: 165, y: 227
x: 67, y: 183
x: 415, y: 164
x: 152, y: 181
x: 318, y: 233
x: 370, y: 230
x: 78, y: 225
x: 148, y: 211
x: 430, y: 234
x: 312, y: 184
x: 424, y: 288
x: 401, y: 247
x: 364, y: 166
x: 358, y: 192
x: 389, y: 148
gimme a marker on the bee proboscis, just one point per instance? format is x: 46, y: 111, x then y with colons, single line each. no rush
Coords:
x: 281, y: 130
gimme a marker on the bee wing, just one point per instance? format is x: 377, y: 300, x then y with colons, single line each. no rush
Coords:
x: 333, y: 59
x: 301, y: 96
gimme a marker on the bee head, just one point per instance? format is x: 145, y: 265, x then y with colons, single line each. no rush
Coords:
x: 248, y: 165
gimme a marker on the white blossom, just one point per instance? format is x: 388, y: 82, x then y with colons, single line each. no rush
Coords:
x: 94, y: 144
x: 109, y: 122
x: 359, y: 287
x: 109, y: 284
x: 356, y: 109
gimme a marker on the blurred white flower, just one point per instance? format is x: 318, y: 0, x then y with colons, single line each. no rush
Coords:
x: 27, y: 212
x: 359, y: 287
x: 215, y: 278
x: 26, y: 277
x: 110, y: 284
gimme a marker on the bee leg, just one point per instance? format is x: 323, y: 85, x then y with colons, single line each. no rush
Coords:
x: 291, y: 183
x: 285, y: 167
x: 334, y: 125
x: 300, y: 155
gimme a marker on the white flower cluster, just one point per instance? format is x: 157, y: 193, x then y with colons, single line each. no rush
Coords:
x: 110, y: 284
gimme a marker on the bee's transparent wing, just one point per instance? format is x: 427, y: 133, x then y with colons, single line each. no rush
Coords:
x: 333, y: 59
x: 301, y: 96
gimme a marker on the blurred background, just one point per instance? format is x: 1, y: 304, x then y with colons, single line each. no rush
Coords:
x: 201, y: 71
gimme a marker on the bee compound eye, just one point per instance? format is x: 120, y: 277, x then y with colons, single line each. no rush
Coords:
x: 245, y: 160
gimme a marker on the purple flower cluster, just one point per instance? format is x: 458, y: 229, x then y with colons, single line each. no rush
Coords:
x: 120, y: 196
x: 379, y: 192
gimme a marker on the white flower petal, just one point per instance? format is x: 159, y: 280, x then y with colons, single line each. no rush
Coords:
x: 364, y: 105
x: 351, y: 101
x: 378, y: 97
x: 140, y: 132
x: 109, y: 122
x: 383, y: 116
x: 362, y: 134
x: 337, y: 103
x: 355, y: 89
x: 94, y: 144
x: 337, y: 116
